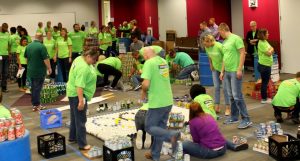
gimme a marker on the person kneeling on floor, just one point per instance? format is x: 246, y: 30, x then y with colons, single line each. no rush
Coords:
x: 287, y: 99
x: 143, y: 139
x: 208, y: 141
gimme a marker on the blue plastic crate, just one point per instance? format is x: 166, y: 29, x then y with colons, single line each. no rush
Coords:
x: 206, y: 80
x: 50, y: 119
x: 204, y: 69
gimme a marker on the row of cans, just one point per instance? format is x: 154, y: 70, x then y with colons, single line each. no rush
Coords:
x: 11, y: 133
x: 118, y: 143
x: 17, y: 116
x: 179, y: 117
x: 187, y: 82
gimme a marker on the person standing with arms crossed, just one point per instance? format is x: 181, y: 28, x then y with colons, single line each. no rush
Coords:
x: 156, y: 85
x: 233, y: 64
x: 38, y: 65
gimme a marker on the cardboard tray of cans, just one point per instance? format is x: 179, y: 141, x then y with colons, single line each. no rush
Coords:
x: 51, y: 145
x: 126, y: 154
x: 93, y: 153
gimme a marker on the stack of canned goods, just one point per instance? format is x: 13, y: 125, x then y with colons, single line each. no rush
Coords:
x: 187, y: 82
x: 183, y: 101
x: 12, y: 128
x: 176, y: 120
x: 61, y: 87
x: 91, y: 43
x: 127, y: 64
x: 118, y: 143
x: 116, y: 106
x: 267, y: 129
x: 49, y: 94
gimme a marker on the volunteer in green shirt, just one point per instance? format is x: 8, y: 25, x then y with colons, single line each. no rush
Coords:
x: 40, y: 28
x: 77, y: 38
x: 233, y: 63
x: 4, y: 53
x: 105, y: 41
x: 113, y: 32
x: 55, y: 33
x: 14, y: 42
x: 287, y: 99
x: 265, y: 61
x: 80, y: 89
x: 48, y: 27
x: 64, y: 53
x: 143, y: 139
x: 198, y: 94
x: 136, y: 70
x: 38, y: 65
x: 157, y: 88
x: 49, y: 43
x: 93, y: 30
x: 24, y: 33
x: 125, y: 30
x: 111, y: 66
x: 22, y: 64
x: 215, y: 56
x: 186, y: 63
x: 4, y: 112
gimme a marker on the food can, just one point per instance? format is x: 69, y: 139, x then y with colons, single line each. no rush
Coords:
x: 2, y: 123
x: 13, y: 122
x: 11, y: 133
x: 18, y: 117
x: 2, y: 136
x: 7, y: 123
x: 19, y: 131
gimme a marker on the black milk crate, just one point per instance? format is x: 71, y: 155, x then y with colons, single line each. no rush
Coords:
x: 51, y: 145
x: 123, y: 154
x: 285, y: 151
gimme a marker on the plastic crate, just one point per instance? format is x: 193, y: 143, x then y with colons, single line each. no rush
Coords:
x: 50, y: 119
x: 123, y: 154
x: 285, y: 151
x: 51, y: 145
x: 206, y: 80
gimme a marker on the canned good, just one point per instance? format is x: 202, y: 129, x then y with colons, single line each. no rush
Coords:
x: 5, y: 129
x: 19, y: 131
x: 13, y: 122
x: 18, y: 117
x: 2, y: 136
x: 1, y: 124
x: 7, y: 123
x: 11, y: 133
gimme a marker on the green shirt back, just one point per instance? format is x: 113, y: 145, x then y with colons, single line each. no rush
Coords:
x: 63, y: 47
x: 77, y: 41
x: 50, y: 46
x: 4, y: 43
x: 36, y: 53
x: 231, y: 47
x: 263, y: 58
x: 215, y: 53
x: 21, y: 52
x: 93, y: 31
x: 207, y: 104
x: 287, y: 93
x: 40, y: 30
x: 84, y: 76
x: 183, y: 59
x: 156, y: 70
x: 112, y: 61
x: 14, y: 42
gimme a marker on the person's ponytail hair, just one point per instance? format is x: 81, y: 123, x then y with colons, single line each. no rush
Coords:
x: 195, y: 110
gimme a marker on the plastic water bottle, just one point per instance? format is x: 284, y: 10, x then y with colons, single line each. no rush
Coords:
x: 179, y: 154
x: 187, y: 157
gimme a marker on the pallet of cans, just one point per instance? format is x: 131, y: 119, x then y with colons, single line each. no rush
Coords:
x: 51, y: 145
x: 186, y: 82
x: 49, y: 94
x: 268, y: 129
x: 119, y: 105
x: 12, y: 128
x: 60, y: 87
x: 91, y: 43
x: 118, y: 148
x: 176, y: 120
x: 127, y: 65
x: 50, y: 118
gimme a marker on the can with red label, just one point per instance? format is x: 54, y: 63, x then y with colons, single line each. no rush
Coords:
x: 2, y: 137
x: 19, y: 131
x: 18, y: 117
x: 1, y: 123
x: 7, y: 123
x: 11, y: 133
x: 12, y: 122
x: 5, y: 132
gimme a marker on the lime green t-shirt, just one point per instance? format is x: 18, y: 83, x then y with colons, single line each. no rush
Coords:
x: 55, y: 35
x: 14, y: 42
x: 50, y: 46
x: 114, y: 36
x: 21, y: 52
x: 113, y: 62
x: 287, y: 93
x: 156, y: 70
x: 63, y: 47
x: 231, y: 46
x: 183, y: 59
x: 4, y: 112
x: 105, y: 38
x: 77, y: 41
x: 157, y: 49
x: 207, y: 104
x: 83, y: 76
x: 48, y: 29
x: 93, y: 31
x: 215, y: 53
x: 263, y: 58
x: 4, y: 43
x: 40, y: 30
x: 145, y: 106
x: 29, y: 40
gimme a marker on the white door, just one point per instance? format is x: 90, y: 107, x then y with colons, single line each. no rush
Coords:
x: 106, y: 12
x: 172, y: 16
x: 289, y: 33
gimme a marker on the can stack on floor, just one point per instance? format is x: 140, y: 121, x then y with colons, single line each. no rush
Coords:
x: 275, y: 69
x: 91, y: 43
x: 49, y: 94
x: 127, y: 64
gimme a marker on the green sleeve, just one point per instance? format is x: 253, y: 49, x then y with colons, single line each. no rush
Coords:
x: 18, y: 50
x: 147, y: 71
x: 100, y: 36
x: 239, y: 43
x: 176, y: 60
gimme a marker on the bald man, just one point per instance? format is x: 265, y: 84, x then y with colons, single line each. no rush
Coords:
x: 157, y: 88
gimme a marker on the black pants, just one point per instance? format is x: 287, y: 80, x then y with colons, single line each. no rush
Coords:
x: 4, y: 71
x: 108, y: 70
x: 22, y: 80
x: 295, y: 111
x: 36, y: 88
x: 139, y: 120
x: 65, y: 67
x: 75, y: 55
x: 265, y: 74
x: 53, y: 68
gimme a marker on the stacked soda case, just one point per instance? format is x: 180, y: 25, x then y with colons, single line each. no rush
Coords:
x: 127, y: 64
x: 61, y: 87
x: 119, y: 105
x: 91, y: 43
x: 12, y: 128
x: 268, y: 129
x: 176, y: 120
x: 271, y: 90
x: 49, y: 94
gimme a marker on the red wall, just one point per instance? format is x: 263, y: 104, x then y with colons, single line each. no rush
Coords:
x: 202, y: 10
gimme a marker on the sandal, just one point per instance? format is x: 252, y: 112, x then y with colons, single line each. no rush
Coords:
x: 85, y: 148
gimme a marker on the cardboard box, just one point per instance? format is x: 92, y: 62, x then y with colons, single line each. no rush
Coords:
x: 248, y: 88
x: 170, y: 45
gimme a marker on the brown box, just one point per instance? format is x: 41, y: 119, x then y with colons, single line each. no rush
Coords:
x: 248, y: 88
x: 170, y: 45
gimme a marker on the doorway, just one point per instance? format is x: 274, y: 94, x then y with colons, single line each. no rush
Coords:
x: 106, y: 12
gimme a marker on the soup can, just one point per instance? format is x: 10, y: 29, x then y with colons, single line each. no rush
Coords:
x: 11, y: 133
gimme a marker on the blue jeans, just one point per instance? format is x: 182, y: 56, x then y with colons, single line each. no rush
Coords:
x: 78, y: 120
x: 36, y: 88
x: 136, y: 80
x: 237, y: 103
x: 199, y: 151
x: 265, y: 74
x: 156, y: 126
x: 186, y: 72
x: 217, y: 84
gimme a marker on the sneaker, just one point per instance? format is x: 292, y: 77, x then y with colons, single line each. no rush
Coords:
x: 267, y: 101
x: 105, y: 88
x: 137, y: 87
x: 230, y: 121
x: 139, y: 140
x: 112, y: 89
x: 147, y: 142
x: 244, y: 124
x: 240, y: 147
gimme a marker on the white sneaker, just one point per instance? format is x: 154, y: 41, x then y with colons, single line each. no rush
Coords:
x: 268, y: 101
x: 147, y: 142
x: 139, y: 140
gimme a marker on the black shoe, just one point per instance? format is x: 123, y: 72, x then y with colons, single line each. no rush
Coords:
x: 296, y: 120
x: 241, y: 147
x: 279, y: 119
